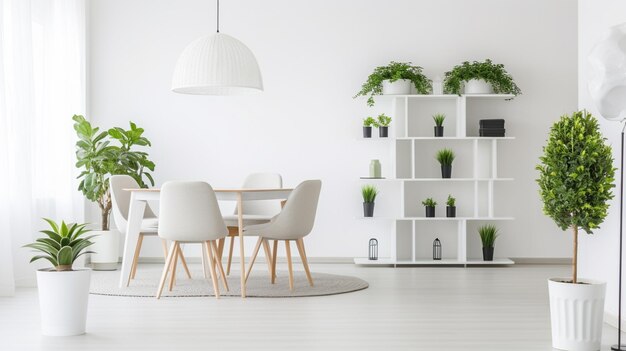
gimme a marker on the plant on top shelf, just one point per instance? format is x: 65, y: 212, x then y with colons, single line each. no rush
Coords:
x: 367, y: 126
x: 488, y: 234
x: 445, y: 158
x: 468, y: 74
x: 429, y: 205
x: 439, y: 118
x: 369, y: 193
x: 395, y: 78
x: 383, y: 125
x: 451, y: 206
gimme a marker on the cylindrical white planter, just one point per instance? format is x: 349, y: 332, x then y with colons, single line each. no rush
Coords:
x: 107, y: 250
x: 399, y: 87
x: 576, y: 312
x: 478, y: 86
x: 63, y: 299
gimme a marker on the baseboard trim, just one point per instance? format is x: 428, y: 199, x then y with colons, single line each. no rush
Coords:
x: 611, y: 319
x: 542, y: 260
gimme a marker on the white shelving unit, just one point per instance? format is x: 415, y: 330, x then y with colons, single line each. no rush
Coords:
x: 475, y: 175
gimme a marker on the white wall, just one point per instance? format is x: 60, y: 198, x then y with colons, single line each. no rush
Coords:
x: 314, y: 56
x: 599, y: 254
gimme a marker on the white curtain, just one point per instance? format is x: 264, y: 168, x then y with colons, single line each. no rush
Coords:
x: 42, y: 84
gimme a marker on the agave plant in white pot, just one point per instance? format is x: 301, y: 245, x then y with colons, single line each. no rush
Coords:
x: 63, y: 290
x: 576, y: 176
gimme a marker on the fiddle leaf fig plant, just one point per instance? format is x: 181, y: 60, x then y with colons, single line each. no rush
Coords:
x: 495, y: 74
x: 394, y: 71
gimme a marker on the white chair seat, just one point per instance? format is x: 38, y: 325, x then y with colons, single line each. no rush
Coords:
x: 231, y: 220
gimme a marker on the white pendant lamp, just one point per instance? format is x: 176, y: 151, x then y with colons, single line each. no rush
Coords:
x: 217, y: 64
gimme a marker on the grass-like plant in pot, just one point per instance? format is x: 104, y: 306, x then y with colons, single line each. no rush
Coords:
x: 367, y: 126
x: 382, y: 123
x: 394, y: 78
x: 369, y: 193
x: 439, y: 118
x: 429, y: 206
x: 445, y: 158
x: 576, y: 176
x: 480, y: 78
x: 450, y: 206
x: 488, y: 234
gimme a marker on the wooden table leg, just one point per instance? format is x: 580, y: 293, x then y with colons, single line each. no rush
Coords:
x: 241, y: 251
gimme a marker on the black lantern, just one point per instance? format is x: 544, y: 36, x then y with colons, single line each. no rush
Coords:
x: 373, y: 249
x: 437, y: 250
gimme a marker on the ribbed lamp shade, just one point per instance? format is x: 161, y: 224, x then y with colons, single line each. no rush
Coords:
x: 217, y: 64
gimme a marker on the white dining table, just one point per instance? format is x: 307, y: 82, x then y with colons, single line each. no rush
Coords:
x: 140, y: 197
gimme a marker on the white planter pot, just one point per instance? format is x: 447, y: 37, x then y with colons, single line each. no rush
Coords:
x: 399, y: 87
x: 63, y: 299
x: 477, y: 86
x: 107, y: 248
x: 576, y: 312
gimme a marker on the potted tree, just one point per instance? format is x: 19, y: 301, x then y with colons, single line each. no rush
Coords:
x: 439, y: 118
x: 488, y: 234
x: 479, y: 78
x: 383, y: 125
x: 429, y: 205
x: 445, y: 158
x: 367, y: 126
x: 451, y: 207
x: 369, y: 193
x: 395, y: 78
x: 576, y: 177
x: 64, y: 289
x: 98, y: 159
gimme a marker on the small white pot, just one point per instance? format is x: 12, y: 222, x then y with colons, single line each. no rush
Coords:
x: 478, y: 86
x: 63, y: 299
x: 576, y: 312
x: 107, y: 248
x: 399, y: 87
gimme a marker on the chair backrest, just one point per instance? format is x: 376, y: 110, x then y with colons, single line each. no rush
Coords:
x: 260, y: 181
x: 188, y: 211
x: 121, y: 199
x: 298, y: 216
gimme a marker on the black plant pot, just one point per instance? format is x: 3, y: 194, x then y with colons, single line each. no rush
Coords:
x: 450, y: 211
x: 367, y: 132
x: 487, y: 253
x: 438, y: 131
x: 430, y: 211
x: 383, y: 132
x: 446, y: 171
x: 368, y: 209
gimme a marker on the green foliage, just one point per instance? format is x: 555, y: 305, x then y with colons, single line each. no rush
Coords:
x: 445, y: 157
x: 492, y: 73
x: 488, y: 234
x: 451, y: 201
x: 62, y: 245
x: 429, y: 202
x: 439, y: 118
x: 369, y: 121
x: 394, y: 71
x: 369, y: 193
x: 383, y: 120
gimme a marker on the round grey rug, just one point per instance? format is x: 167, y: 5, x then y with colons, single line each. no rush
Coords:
x: 147, y: 279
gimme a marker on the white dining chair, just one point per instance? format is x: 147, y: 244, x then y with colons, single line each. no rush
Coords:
x: 293, y: 223
x: 189, y: 213
x: 120, y: 199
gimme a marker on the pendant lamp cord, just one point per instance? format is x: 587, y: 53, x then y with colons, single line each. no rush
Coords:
x: 218, y: 16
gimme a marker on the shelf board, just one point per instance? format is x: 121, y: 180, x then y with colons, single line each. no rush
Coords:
x: 448, y: 96
x: 431, y: 262
x: 456, y: 138
x: 438, y: 179
x: 437, y: 218
x: 490, y: 96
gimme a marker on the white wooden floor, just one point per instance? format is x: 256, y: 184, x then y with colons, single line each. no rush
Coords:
x: 404, y: 309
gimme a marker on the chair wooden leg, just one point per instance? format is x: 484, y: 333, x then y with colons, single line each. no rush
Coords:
x: 166, y: 268
x: 305, y: 263
x: 254, y: 254
x: 220, y: 247
x: 219, y: 265
x: 230, y: 254
x: 164, y: 245
x: 289, y: 265
x: 173, y: 273
x: 268, y: 257
x: 274, y: 259
x: 216, y: 287
x: 205, y: 260
x: 133, y: 268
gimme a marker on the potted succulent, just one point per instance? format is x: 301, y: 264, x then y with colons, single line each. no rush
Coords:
x: 64, y: 289
x: 369, y: 193
x: 383, y: 125
x: 395, y: 78
x: 451, y: 207
x: 98, y: 159
x: 488, y: 234
x: 439, y: 118
x: 367, y: 126
x: 479, y: 78
x: 576, y: 176
x: 429, y: 205
x: 445, y: 158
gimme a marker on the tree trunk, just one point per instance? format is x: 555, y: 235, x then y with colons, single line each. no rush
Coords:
x: 575, y: 256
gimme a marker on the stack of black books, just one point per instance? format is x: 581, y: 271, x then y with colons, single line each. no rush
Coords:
x: 491, y: 128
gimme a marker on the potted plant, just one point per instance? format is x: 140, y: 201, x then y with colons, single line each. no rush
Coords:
x: 98, y: 159
x: 383, y: 125
x: 576, y: 178
x: 369, y: 193
x: 395, y: 78
x: 479, y: 78
x: 429, y: 205
x: 451, y: 206
x: 445, y: 158
x: 63, y: 290
x: 439, y: 118
x: 367, y: 126
x: 488, y: 234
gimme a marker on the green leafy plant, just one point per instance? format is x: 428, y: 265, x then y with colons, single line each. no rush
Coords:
x: 445, y: 157
x: 451, y: 201
x: 576, y: 176
x: 492, y: 73
x: 369, y: 193
x: 369, y: 121
x: 439, y: 118
x: 393, y: 72
x: 488, y: 234
x: 62, y: 245
x: 429, y: 202
x: 98, y: 159
x: 383, y: 120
